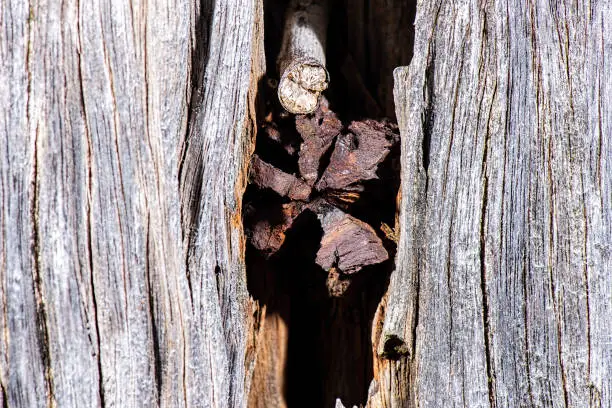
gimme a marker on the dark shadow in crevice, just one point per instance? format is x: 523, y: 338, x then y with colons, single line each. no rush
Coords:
x: 329, y: 351
x: 366, y: 40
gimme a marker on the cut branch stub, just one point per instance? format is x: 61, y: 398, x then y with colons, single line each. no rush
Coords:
x: 301, y: 62
x: 348, y: 244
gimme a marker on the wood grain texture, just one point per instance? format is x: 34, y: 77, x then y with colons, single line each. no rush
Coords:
x: 125, y: 132
x: 221, y: 139
x: 103, y: 302
x: 502, y: 293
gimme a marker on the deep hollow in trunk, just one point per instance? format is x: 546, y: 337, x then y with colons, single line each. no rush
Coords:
x: 319, y: 214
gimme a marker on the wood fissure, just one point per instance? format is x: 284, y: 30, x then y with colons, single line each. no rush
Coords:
x: 483, y: 286
x: 3, y: 395
x: 38, y: 289
x: 89, y: 231
x: 157, y: 361
x: 322, y: 161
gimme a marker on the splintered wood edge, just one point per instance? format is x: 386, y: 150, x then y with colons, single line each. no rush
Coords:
x: 301, y: 85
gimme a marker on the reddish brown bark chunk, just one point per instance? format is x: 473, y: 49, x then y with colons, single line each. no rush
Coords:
x: 333, y: 170
x: 318, y: 132
x: 348, y: 244
x: 357, y: 155
x: 265, y: 175
x: 267, y: 234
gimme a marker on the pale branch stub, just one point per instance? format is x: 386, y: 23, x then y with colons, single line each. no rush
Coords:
x: 301, y: 62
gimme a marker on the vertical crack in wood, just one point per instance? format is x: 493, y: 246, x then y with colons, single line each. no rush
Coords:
x: 3, y: 395
x: 157, y: 363
x: 187, y: 168
x: 585, y: 262
x: 42, y: 330
x: 553, y: 290
x: 526, y: 332
x: 483, y: 279
x: 483, y: 243
x: 428, y: 114
x: 93, y: 286
x: 190, y: 169
x: 90, y: 226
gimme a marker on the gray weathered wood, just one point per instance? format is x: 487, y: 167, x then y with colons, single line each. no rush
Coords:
x: 103, y: 301
x: 125, y: 132
x: 502, y: 293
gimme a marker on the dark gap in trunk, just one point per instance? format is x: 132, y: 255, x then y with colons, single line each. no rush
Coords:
x: 319, y: 207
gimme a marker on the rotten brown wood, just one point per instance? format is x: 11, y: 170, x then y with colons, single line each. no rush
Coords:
x: 348, y: 244
x: 267, y: 232
x: 331, y: 289
x: 266, y: 175
x: 358, y: 154
x: 318, y: 132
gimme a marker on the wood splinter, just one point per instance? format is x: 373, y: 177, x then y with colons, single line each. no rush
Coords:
x: 301, y: 62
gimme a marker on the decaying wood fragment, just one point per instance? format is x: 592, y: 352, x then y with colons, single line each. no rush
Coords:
x: 318, y: 132
x: 358, y: 154
x: 265, y: 175
x: 301, y: 62
x: 337, y: 283
x: 267, y: 231
x: 348, y: 244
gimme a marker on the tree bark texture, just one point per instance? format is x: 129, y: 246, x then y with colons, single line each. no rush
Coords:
x: 108, y: 296
x: 502, y: 293
x: 126, y: 128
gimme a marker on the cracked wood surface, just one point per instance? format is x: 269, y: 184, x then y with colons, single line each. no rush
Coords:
x: 111, y: 295
x: 106, y: 299
x: 502, y: 293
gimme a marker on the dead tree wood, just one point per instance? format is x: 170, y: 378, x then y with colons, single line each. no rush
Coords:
x: 126, y: 129
x: 301, y: 62
x: 502, y: 291
x: 103, y: 301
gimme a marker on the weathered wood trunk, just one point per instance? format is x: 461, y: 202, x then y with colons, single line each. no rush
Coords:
x: 502, y: 293
x: 126, y: 129
x: 118, y: 117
